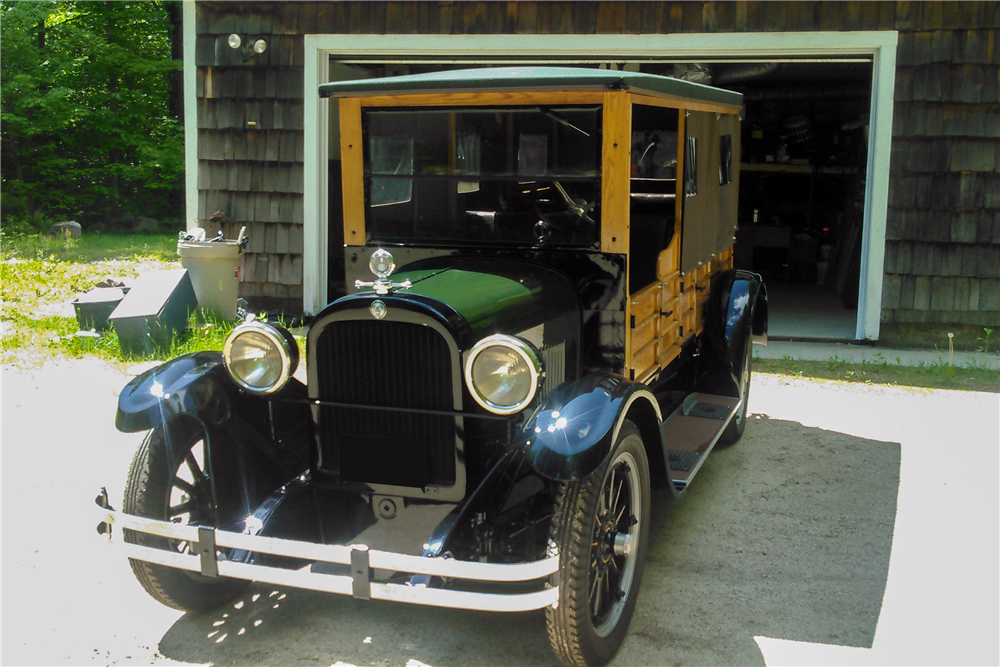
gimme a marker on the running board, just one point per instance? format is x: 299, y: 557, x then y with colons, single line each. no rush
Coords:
x: 690, y: 433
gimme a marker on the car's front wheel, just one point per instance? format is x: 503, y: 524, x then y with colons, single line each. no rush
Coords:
x: 601, y: 528
x: 171, y: 480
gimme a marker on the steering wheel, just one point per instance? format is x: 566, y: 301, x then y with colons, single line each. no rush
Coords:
x: 573, y: 212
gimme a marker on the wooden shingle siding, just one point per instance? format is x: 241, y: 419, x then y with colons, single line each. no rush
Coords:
x: 942, y: 254
x: 250, y: 138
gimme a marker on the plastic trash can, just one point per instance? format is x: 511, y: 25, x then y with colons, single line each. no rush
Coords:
x: 214, y: 271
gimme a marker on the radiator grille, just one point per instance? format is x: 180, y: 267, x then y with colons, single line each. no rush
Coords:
x: 554, y: 362
x: 387, y: 364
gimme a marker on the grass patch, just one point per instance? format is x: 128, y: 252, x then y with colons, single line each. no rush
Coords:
x: 93, y: 247
x: 885, y: 372
x: 929, y: 336
x: 203, y: 333
x: 40, y: 275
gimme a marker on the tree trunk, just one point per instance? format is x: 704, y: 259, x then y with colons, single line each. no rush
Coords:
x: 175, y: 15
x: 115, y: 156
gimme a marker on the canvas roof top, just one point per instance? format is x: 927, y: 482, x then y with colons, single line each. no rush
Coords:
x: 489, y: 79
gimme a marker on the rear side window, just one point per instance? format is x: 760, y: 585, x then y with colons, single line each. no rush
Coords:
x: 725, y: 159
x: 691, y: 167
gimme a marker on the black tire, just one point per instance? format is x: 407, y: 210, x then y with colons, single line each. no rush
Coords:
x: 734, y: 431
x: 169, y: 481
x: 601, y: 526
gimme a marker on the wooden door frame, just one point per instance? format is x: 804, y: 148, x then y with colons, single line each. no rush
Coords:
x: 879, y: 45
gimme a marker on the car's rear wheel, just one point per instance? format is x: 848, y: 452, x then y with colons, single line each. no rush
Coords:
x: 734, y: 431
x: 170, y: 480
x: 601, y: 528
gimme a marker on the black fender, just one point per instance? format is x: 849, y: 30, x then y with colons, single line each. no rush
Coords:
x: 573, y: 430
x: 194, y: 384
x: 735, y: 316
x: 197, y: 386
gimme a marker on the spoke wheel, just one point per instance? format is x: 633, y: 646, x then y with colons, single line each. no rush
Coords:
x: 601, y: 525
x: 612, y: 564
x: 170, y: 480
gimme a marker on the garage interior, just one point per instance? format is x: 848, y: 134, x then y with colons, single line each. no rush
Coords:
x: 802, y: 178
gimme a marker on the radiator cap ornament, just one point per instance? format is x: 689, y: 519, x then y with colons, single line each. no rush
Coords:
x: 382, y: 264
x: 378, y: 309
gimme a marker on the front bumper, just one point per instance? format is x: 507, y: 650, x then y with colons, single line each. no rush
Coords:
x: 206, y: 541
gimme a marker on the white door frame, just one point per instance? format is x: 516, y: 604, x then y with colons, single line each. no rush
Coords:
x: 880, y: 45
x: 189, y: 26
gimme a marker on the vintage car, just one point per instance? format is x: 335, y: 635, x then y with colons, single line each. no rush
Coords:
x: 543, y: 321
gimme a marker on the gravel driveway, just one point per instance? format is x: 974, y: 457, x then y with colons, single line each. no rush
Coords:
x: 851, y: 525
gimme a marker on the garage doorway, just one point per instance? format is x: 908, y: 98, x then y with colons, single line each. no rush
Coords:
x: 818, y: 202
x: 802, y: 188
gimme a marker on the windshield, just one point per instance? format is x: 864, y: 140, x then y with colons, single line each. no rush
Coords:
x: 510, y: 175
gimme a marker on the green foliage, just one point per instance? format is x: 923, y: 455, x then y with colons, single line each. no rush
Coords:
x: 86, y: 132
x: 834, y: 363
x: 985, y: 340
x: 40, y: 275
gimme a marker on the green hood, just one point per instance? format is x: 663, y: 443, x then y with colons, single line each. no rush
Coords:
x: 493, y: 295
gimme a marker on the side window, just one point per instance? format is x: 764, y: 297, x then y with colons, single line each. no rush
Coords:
x: 725, y: 159
x: 391, y: 156
x: 652, y: 190
x: 467, y: 160
x: 532, y: 155
x: 691, y: 167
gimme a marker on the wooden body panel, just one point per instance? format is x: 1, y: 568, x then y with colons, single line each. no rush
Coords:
x: 666, y: 263
x: 644, y: 336
x: 725, y: 258
x: 615, y: 188
x: 682, y: 103
x: 352, y: 158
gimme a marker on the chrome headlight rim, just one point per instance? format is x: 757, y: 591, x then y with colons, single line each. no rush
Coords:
x: 524, y: 350
x: 284, y: 343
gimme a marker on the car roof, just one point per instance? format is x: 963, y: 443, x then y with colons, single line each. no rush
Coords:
x: 492, y: 79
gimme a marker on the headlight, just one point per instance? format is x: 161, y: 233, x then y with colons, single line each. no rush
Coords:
x: 502, y: 373
x: 260, y: 357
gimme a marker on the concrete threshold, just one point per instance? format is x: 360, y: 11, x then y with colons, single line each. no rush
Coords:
x: 857, y: 352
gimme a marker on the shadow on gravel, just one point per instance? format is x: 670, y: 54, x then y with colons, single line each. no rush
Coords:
x: 295, y: 627
x: 786, y: 534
